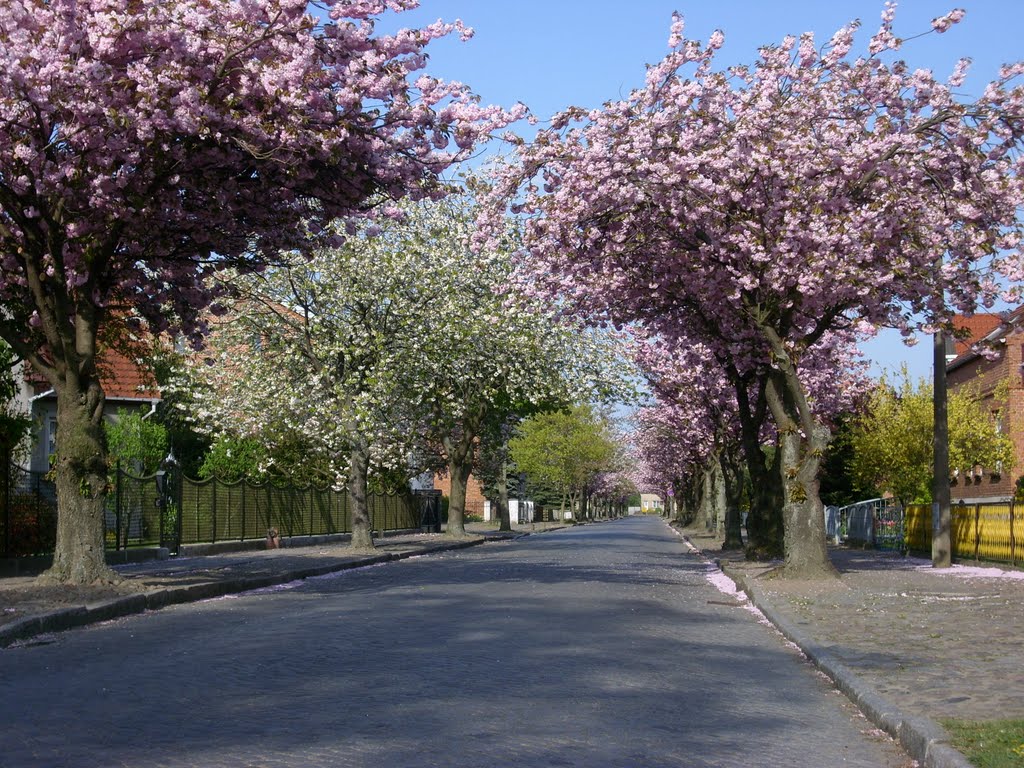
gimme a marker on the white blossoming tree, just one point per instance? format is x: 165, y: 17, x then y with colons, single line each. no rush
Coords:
x: 403, y: 341
x: 314, y: 350
x: 498, y: 350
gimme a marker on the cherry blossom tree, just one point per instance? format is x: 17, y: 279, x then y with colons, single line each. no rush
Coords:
x: 712, y: 411
x: 663, y: 458
x: 611, y: 490
x: 761, y: 207
x: 149, y: 144
x: 695, y: 403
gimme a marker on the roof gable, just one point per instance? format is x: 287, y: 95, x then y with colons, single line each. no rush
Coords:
x: 121, y: 376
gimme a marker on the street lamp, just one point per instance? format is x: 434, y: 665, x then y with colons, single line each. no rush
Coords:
x: 941, y: 517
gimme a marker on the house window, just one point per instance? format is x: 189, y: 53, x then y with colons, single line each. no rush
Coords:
x: 997, y: 420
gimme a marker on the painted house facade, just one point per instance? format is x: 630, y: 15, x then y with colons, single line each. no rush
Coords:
x: 128, y: 385
x: 651, y: 504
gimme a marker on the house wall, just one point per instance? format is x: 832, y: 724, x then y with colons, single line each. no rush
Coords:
x: 127, y: 384
x: 986, y: 375
x: 650, y: 502
x: 44, y: 417
x: 474, y: 495
x: 23, y: 389
x: 529, y: 509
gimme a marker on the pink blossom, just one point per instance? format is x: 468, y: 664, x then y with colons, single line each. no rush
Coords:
x: 176, y: 155
x: 767, y: 214
x: 943, y: 23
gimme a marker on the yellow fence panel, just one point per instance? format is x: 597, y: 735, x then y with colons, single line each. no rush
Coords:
x: 962, y: 531
x: 994, y: 532
x: 978, y: 531
x: 917, y: 524
x: 1017, y: 534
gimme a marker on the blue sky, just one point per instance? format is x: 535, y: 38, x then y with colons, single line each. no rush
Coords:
x: 551, y: 54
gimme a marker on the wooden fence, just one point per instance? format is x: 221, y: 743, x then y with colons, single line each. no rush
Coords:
x: 979, y: 531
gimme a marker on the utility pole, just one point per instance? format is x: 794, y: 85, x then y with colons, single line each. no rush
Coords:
x: 941, y: 518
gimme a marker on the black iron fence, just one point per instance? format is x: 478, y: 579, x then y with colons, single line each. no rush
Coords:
x: 29, y: 514
x: 168, y: 509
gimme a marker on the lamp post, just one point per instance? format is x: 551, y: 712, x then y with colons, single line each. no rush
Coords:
x: 168, y: 481
x: 941, y: 518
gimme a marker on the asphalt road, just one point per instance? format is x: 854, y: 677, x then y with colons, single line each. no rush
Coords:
x: 598, y: 646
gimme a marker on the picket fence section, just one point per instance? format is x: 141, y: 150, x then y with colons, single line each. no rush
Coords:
x: 978, y: 532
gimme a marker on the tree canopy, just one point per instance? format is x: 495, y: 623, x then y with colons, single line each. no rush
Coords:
x: 568, y: 449
x: 392, y: 352
x: 149, y: 145
x: 758, y: 208
x: 892, y: 440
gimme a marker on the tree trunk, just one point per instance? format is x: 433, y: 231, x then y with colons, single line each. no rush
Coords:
x: 764, y: 519
x: 706, y: 509
x: 719, y: 502
x: 362, y: 526
x: 689, y: 504
x: 81, y: 479
x: 802, y: 444
x: 460, y: 446
x: 503, y: 512
x: 732, y: 477
x: 459, y: 469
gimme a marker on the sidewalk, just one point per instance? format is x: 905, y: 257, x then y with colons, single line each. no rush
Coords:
x: 909, y: 644
x: 28, y: 610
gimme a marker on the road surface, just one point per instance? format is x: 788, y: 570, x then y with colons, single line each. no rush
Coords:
x: 603, y: 645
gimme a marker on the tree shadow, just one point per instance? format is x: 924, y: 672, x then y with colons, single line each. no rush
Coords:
x: 473, y: 658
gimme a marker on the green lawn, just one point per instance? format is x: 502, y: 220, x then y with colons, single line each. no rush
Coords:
x: 995, y: 744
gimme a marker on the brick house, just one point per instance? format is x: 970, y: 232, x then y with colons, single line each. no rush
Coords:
x: 475, y: 501
x: 1003, y: 333
x: 127, y: 384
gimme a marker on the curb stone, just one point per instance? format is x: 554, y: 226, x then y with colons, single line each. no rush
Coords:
x: 118, y: 607
x: 924, y: 739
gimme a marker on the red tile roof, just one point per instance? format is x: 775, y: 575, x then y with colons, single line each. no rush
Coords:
x: 979, y: 326
x: 121, y: 378
x: 992, y: 327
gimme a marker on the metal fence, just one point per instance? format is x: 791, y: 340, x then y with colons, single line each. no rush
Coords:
x: 978, y: 531
x: 168, y: 509
x: 874, y: 522
x: 29, y: 515
x: 213, y: 510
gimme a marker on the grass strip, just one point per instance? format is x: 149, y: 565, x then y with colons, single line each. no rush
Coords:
x: 991, y: 744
